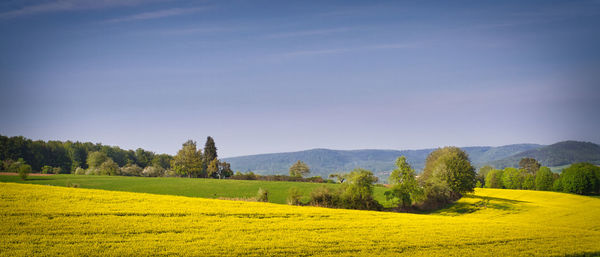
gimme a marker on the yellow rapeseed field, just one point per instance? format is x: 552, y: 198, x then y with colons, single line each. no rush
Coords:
x: 48, y: 220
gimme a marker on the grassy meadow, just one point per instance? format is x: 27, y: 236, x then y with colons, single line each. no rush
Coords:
x: 205, y: 188
x: 82, y: 222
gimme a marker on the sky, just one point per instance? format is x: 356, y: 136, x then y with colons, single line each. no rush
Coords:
x: 273, y: 76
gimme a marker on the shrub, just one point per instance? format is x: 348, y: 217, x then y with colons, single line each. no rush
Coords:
x: 437, y: 195
x: 170, y: 173
x: 131, y: 170
x: 24, y: 170
x: 294, y: 196
x: 324, y: 196
x: 109, y: 167
x: 262, y: 195
x: 56, y: 170
x: 79, y: 171
x: 152, y: 171
x: 46, y: 169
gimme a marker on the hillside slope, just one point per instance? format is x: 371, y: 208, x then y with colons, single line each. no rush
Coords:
x: 561, y: 153
x: 325, y: 161
x: 57, y: 221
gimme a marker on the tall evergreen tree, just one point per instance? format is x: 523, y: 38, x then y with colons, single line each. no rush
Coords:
x: 210, y: 150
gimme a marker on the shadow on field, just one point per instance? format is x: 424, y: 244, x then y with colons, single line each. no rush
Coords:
x: 480, y: 203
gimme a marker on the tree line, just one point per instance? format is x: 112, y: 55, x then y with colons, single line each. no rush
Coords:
x: 69, y: 155
x: 97, y: 159
x: 578, y: 178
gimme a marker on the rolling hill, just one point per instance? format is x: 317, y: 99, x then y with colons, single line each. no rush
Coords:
x: 326, y: 161
x: 59, y: 221
x: 559, y: 154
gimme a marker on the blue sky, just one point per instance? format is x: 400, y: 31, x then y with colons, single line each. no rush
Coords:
x: 271, y: 76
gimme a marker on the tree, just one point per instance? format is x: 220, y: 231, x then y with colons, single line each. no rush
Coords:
x: 143, y: 158
x: 544, y: 179
x: 451, y: 165
x: 213, y: 168
x: 210, y: 150
x: 299, y: 169
x: 494, y: 179
x: 357, y: 190
x: 109, y: 167
x: 447, y: 175
x: 528, y: 181
x: 338, y: 176
x: 162, y: 160
x: 225, y: 170
x: 512, y: 178
x: 482, y: 174
x: 24, y: 170
x: 188, y: 160
x: 581, y: 178
x: 95, y: 159
x: 530, y: 165
x: 404, y: 186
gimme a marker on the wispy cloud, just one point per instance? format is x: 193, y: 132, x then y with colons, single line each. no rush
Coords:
x: 309, y: 32
x: 69, y: 5
x: 345, y: 50
x: 156, y: 14
x: 196, y: 30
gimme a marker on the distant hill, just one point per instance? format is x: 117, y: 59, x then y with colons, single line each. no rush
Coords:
x: 325, y: 161
x: 559, y: 154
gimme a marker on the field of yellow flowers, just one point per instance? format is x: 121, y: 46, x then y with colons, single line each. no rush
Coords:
x: 48, y: 220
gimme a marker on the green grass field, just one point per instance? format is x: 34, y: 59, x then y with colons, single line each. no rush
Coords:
x: 205, y: 188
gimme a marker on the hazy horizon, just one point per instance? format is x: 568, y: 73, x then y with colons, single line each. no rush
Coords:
x: 271, y: 76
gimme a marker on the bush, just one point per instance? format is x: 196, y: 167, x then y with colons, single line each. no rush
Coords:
x: 131, y: 170
x: 244, y: 176
x: 109, y: 167
x: 79, y: 171
x: 24, y: 170
x: 46, y: 169
x: 324, y: 196
x: 56, y: 170
x: 262, y: 195
x: 437, y: 195
x: 170, y: 173
x: 152, y: 171
x: 294, y: 196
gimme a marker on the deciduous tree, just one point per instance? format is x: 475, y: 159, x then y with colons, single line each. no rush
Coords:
x: 299, y: 169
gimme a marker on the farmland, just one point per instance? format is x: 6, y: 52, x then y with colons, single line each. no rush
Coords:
x: 205, y: 188
x: 74, y: 221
